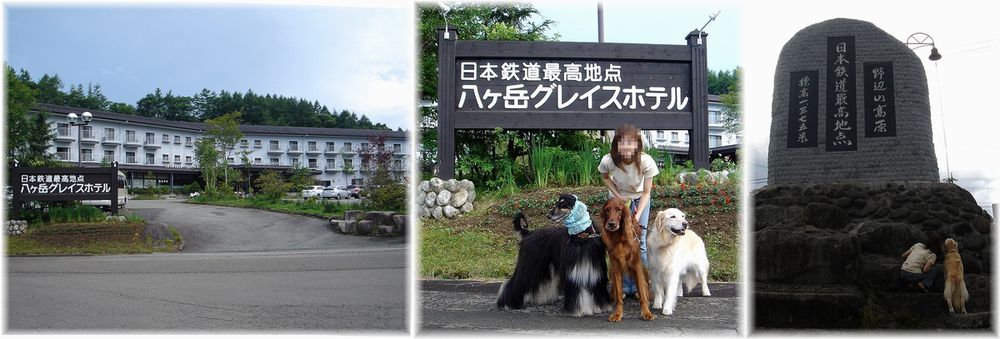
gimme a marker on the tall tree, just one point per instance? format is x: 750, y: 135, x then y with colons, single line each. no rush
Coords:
x: 731, y: 108
x: 225, y: 133
x: 485, y: 21
x: 20, y: 98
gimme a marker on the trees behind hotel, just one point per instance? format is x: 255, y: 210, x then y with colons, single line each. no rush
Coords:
x: 268, y: 109
x: 28, y: 138
x: 386, y: 190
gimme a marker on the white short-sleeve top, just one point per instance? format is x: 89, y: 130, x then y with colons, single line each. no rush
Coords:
x: 629, y: 180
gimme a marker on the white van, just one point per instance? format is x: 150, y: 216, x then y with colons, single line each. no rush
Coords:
x: 122, y: 196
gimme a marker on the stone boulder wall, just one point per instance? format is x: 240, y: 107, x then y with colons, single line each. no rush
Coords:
x: 380, y: 223
x: 813, y: 242
x: 440, y: 199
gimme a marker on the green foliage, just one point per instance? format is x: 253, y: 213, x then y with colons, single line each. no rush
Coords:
x: 542, y: 163
x: 314, y: 207
x: 723, y: 164
x: 731, y: 105
x: 57, y: 215
x: 485, y: 21
x: 28, y: 136
x: 271, y: 185
x: 386, y: 191
x: 300, y: 178
x: 723, y: 82
x: 447, y: 253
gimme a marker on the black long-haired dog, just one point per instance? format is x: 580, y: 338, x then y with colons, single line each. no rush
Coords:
x: 553, y: 263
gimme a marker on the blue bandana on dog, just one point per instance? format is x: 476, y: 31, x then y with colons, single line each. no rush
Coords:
x: 578, y: 220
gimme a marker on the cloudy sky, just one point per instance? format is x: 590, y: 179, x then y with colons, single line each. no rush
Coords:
x: 651, y: 22
x: 967, y: 36
x: 346, y: 57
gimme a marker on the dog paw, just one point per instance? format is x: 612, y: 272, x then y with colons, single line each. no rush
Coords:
x: 615, y: 317
x: 647, y: 315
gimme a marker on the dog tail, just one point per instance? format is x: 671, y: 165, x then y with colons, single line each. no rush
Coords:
x: 521, y: 224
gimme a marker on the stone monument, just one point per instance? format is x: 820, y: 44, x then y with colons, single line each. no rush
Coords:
x: 850, y: 103
x: 852, y: 184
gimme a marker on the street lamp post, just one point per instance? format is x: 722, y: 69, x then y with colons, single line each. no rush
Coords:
x: 79, y: 121
x: 916, y: 41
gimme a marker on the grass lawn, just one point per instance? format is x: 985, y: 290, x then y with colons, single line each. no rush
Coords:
x: 82, y: 238
x: 483, y: 244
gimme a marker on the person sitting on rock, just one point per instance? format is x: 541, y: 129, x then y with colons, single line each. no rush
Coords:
x: 918, y: 270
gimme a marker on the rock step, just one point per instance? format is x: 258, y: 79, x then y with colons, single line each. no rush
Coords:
x: 931, y: 304
x: 807, y: 306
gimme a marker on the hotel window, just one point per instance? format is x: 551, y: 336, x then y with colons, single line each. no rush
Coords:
x: 244, y: 143
x: 188, y: 159
x: 177, y: 139
x: 177, y: 159
x: 63, y: 129
x: 149, y: 158
x: 87, y: 154
x: 88, y: 132
x: 347, y: 147
x: 674, y: 136
x: 312, y: 146
x: 294, y: 162
x: 150, y: 138
x: 660, y: 134
x: 397, y: 148
x: 313, y: 163
x: 274, y: 161
x: 397, y: 165
x: 166, y: 158
x: 62, y: 153
x: 130, y: 157
x: 109, y: 134
x: 165, y: 138
x: 256, y: 161
x: 293, y: 145
x: 331, y: 146
x: 331, y: 163
x: 256, y: 143
x: 109, y: 155
x: 349, y: 163
x: 187, y: 141
x: 274, y: 145
x: 714, y: 141
x: 130, y: 136
x: 364, y: 147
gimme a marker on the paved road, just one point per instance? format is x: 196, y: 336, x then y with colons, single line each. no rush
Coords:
x: 469, y: 306
x: 209, y: 229
x: 242, y: 270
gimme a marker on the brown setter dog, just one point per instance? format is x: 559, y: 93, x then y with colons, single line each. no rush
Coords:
x: 620, y: 236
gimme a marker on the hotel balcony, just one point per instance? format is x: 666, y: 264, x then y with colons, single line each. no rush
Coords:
x: 330, y: 150
x: 88, y: 158
x: 348, y: 151
x: 188, y: 143
x: 258, y: 145
x: 294, y: 150
x: 65, y: 136
x: 245, y: 144
x: 274, y: 149
x: 151, y: 143
x: 333, y: 169
x: 110, y: 139
x: 131, y: 160
x: 132, y: 143
x: 88, y: 138
x: 399, y: 154
x: 312, y: 150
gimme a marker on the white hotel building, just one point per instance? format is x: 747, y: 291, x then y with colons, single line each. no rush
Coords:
x: 720, y: 143
x: 160, y: 152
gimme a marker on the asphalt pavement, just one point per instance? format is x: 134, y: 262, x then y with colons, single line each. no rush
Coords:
x: 462, y: 306
x: 242, y: 270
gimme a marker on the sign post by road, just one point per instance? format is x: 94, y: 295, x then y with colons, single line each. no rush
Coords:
x: 571, y: 86
x: 64, y: 184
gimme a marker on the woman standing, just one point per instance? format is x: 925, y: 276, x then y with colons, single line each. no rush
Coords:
x: 628, y: 173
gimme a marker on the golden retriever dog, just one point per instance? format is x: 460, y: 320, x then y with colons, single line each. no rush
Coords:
x: 955, y: 292
x: 620, y: 236
x: 676, y: 255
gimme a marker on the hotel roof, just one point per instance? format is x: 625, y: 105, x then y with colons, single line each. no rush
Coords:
x: 201, y: 127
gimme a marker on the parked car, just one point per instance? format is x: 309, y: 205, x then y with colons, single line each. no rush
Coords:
x: 355, y: 191
x: 312, y: 192
x: 338, y: 192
